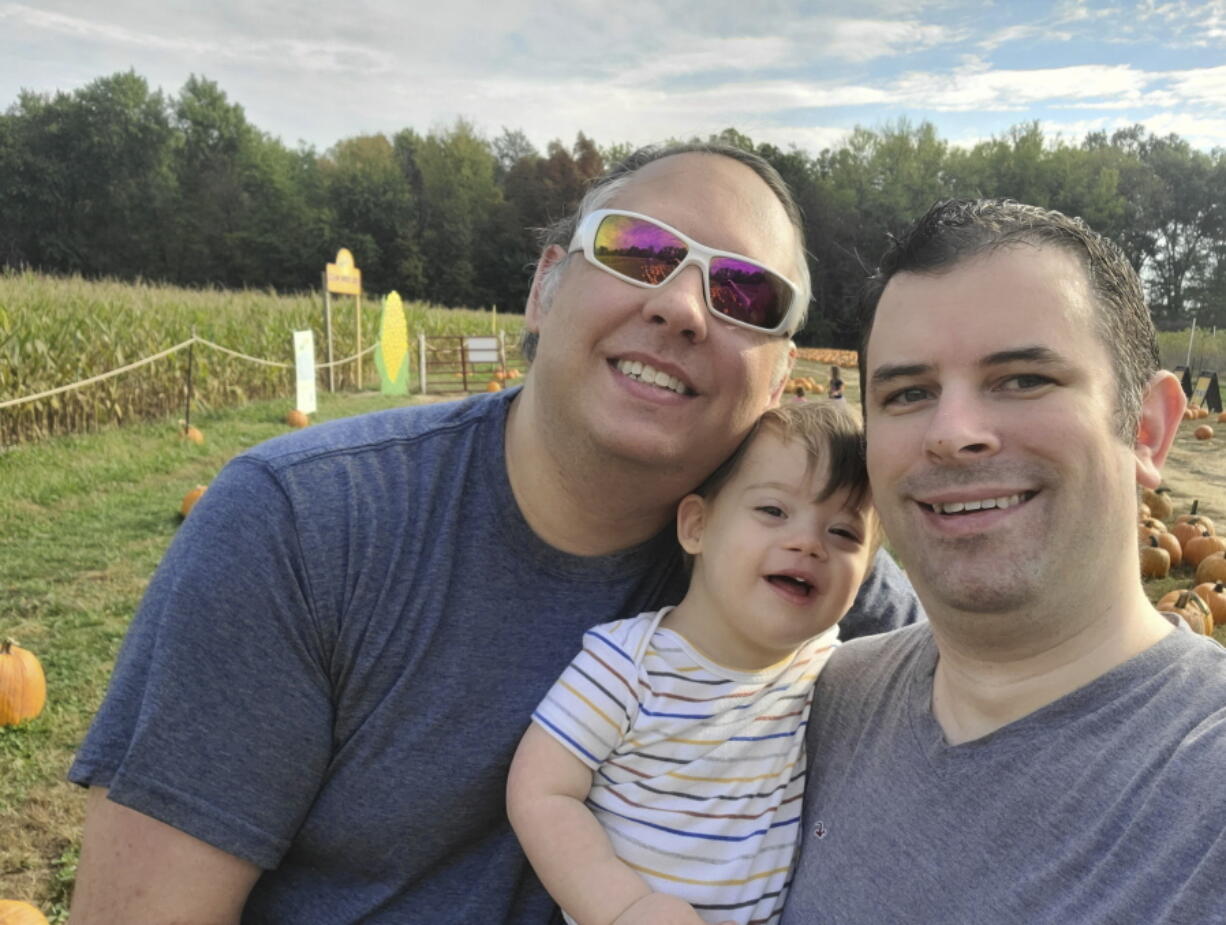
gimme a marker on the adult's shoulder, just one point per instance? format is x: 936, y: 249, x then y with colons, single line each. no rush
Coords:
x: 394, y: 428
x: 886, y: 601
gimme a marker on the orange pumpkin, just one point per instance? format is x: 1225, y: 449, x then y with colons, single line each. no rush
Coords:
x: 1196, y: 520
x: 1212, y: 568
x: 1214, y: 595
x: 15, y: 912
x: 494, y: 386
x: 1221, y: 418
x: 23, y: 686
x: 1204, y: 432
x: 1168, y: 542
x: 1155, y: 561
x: 190, y: 499
x: 297, y: 418
x: 1186, y: 532
x: 1191, y: 607
x: 1159, y: 502
x: 1201, y: 547
x: 1143, y: 511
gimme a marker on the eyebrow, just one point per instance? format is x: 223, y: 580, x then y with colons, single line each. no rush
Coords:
x: 1036, y: 354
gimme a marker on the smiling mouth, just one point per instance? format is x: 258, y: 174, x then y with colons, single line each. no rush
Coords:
x: 642, y: 372
x: 983, y: 504
x: 795, y: 586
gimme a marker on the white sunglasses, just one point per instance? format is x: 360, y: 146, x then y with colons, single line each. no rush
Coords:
x: 646, y: 252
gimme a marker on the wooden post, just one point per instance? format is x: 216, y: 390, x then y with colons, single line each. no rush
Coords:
x: 187, y: 412
x: 328, y: 333
x: 421, y: 360
x: 357, y: 323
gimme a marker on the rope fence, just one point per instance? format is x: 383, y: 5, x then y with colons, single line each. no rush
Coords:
x: 13, y: 402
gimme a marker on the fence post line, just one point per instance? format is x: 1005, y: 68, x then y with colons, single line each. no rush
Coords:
x: 1191, y: 336
x: 328, y: 333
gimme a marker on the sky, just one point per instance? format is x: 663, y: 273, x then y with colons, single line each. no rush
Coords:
x: 640, y: 71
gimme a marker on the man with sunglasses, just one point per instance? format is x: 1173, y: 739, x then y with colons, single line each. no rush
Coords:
x: 314, y: 712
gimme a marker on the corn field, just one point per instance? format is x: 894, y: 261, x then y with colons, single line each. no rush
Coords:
x: 1208, y: 350
x: 59, y: 330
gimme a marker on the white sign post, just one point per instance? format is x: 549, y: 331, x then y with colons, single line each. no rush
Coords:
x: 304, y: 367
x: 481, y: 350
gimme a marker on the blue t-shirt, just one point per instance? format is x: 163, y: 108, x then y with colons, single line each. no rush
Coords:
x: 335, y: 661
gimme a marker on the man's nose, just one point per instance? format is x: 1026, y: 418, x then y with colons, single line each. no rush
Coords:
x: 680, y: 304
x: 961, y: 428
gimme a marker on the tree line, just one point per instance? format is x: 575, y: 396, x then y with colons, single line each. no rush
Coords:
x: 115, y: 179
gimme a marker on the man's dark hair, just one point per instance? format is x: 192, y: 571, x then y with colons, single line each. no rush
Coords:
x: 958, y: 229
x: 603, y: 188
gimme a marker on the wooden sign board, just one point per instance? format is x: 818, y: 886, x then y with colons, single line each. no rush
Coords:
x: 343, y: 277
x: 1185, y: 378
x: 1207, y: 393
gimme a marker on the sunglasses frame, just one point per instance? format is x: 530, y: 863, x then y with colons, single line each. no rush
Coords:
x: 699, y: 255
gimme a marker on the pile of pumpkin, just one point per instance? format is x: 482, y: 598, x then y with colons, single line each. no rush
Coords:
x: 829, y: 356
x: 808, y: 383
x: 1188, y: 541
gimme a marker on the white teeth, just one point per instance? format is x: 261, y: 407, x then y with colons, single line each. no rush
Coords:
x: 652, y: 376
x: 956, y: 507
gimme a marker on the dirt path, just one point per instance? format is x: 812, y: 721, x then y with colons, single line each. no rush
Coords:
x: 1196, y: 469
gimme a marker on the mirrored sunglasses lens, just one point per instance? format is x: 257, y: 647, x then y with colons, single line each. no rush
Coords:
x: 747, y: 292
x: 637, y: 249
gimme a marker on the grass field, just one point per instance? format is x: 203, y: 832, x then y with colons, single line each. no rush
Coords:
x: 84, y: 521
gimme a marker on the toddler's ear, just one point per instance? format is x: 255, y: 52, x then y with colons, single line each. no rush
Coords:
x: 691, y: 517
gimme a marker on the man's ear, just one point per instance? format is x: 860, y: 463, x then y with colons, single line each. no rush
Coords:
x: 1161, y: 411
x: 691, y: 517
x: 783, y: 373
x: 538, y: 300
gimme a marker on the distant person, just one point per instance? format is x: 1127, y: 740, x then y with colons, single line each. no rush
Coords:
x: 836, y: 383
x: 663, y: 772
x: 314, y: 712
x: 1039, y: 752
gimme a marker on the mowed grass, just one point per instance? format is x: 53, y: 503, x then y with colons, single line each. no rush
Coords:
x: 83, y: 523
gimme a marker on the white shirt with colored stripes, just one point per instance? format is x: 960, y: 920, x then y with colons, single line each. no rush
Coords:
x: 698, y: 769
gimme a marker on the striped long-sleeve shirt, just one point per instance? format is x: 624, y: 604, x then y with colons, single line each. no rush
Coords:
x: 698, y: 769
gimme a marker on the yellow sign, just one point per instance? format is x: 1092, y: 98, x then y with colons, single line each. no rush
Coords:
x: 343, y: 276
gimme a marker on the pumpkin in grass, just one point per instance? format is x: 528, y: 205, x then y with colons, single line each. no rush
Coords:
x: 190, y: 434
x: 1212, y: 568
x: 1214, y: 595
x: 190, y: 499
x: 1155, y: 561
x: 1204, y: 432
x: 15, y: 912
x: 1186, y: 532
x: 1199, y: 548
x: 1191, y: 607
x: 1143, y: 511
x: 23, y: 686
x: 1168, y: 542
x: 1196, y: 519
x: 297, y: 418
x: 1221, y: 418
x: 1159, y: 502
x: 493, y: 386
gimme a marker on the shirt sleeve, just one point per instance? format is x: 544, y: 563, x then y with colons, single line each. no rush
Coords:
x: 886, y: 601
x: 591, y: 707
x: 218, y: 718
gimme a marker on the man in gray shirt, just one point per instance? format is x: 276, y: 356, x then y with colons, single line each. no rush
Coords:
x: 1048, y: 748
